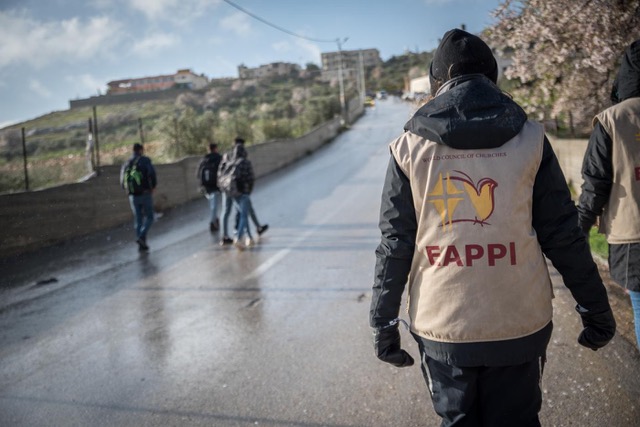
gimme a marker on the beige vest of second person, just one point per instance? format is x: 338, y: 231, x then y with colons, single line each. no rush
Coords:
x: 478, y: 272
x: 620, y: 220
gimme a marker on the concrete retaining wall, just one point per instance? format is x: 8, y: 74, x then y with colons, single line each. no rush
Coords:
x: 570, y: 153
x: 124, y: 98
x: 39, y: 218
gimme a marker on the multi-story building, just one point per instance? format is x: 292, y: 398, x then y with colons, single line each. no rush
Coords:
x: 183, y: 78
x: 270, y: 70
x: 351, y: 62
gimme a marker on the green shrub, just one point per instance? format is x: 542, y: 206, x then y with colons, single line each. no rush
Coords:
x: 12, y: 180
x: 598, y: 243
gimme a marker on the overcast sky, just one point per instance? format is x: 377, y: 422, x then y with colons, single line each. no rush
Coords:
x: 52, y: 51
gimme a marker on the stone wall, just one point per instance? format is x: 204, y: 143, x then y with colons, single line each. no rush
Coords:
x: 124, y: 98
x: 570, y: 153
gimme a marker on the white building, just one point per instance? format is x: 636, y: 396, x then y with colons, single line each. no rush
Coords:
x: 351, y: 63
x: 269, y: 70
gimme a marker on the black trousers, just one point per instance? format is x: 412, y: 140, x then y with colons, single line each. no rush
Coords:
x: 508, y: 396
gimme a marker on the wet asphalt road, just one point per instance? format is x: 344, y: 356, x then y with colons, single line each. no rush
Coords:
x: 192, y: 334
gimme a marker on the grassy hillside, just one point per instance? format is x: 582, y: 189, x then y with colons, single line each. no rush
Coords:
x: 280, y: 108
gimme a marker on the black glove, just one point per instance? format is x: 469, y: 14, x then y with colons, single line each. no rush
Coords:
x: 599, y: 328
x: 386, y: 342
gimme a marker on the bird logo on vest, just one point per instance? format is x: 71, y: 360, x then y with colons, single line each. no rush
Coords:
x: 451, y: 191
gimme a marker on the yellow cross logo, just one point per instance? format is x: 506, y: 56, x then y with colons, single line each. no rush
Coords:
x: 444, y: 199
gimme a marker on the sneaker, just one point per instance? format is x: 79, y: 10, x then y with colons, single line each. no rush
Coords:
x: 142, y: 245
x: 239, y: 245
x: 250, y: 242
x: 226, y: 241
x: 262, y: 229
x: 213, y: 226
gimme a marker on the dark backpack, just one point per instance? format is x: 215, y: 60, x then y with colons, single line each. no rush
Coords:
x: 133, y: 177
x: 208, y: 174
x: 228, y: 177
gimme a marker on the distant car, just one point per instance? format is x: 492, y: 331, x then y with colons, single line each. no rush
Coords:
x: 382, y: 94
x: 369, y: 102
x: 408, y: 96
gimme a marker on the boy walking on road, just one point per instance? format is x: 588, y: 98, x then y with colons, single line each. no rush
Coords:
x: 138, y: 177
x: 208, y: 175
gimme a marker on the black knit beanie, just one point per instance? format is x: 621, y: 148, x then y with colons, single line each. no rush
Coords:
x: 461, y: 53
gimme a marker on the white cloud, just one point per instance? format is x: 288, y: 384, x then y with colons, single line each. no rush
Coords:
x: 281, y: 46
x: 238, y: 23
x: 305, y: 50
x: 39, y: 89
x: 177, y: 11
x: 312, y: 50
x: 216, y: 41
x: 87, y: 83
x: 155, y: 9
x: 25, y: 40
x: 154, y: 43
x: 225, y: 67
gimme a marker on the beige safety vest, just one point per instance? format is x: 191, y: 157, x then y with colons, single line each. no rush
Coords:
x: 478, y: 272
x: 620, y: 220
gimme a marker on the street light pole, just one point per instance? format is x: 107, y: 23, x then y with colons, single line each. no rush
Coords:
x: 343, y: 107
x: 361, y: 74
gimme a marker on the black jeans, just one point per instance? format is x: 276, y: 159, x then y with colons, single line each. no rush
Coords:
x: 485, y: 396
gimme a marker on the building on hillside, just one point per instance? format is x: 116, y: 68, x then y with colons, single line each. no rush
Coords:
x: 274, y: 69
x: 351, y: 62
x: 185, y: 79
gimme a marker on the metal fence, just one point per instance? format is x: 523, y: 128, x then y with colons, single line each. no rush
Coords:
x: 36, y: 157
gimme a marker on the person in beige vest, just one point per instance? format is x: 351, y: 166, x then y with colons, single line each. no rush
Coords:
x: 473, y: 201
x: 611, y: 174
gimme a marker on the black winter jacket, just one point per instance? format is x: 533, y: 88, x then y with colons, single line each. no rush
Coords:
x: 214, y: 159
x: 245, y: 177
x: 471, y: 112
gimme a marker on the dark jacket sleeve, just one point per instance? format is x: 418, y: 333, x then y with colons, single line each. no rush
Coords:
x: 246, y: 177
x: 252, y: 177
x: 199, y: 170
x: 597, y: 176
x: 555, y: 220
x: 394, y: 254
x: 153, y: 180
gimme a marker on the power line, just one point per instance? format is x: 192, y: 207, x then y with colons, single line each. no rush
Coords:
x: 284, y: 30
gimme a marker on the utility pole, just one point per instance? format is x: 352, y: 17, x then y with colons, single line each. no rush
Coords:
x: 24, y: 157
x: 96, y: 140
x: 362, y: 83
x: 343, y: 107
